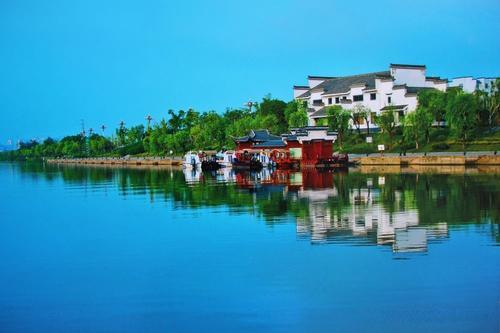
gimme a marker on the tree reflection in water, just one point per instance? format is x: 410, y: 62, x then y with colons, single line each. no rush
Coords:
x: 405, y: 211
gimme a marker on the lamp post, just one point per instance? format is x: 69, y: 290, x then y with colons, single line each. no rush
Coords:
x: 250, y: 104
x: 148, y: 119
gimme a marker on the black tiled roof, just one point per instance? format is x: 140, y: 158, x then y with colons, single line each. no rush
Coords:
x: 407, y: 66
x: 321, y: 113
x: 393, y: 107
x: 343, y: 84
x: 270, y: 143
x: 320, y: 77
x: 262, y: 135
x: 415, y: 90
x: 258, y: 136
x: 436, y: 79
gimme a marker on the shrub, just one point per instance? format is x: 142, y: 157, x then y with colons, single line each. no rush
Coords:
x: 441, y: 137
x: 362, y: 148
x: 440, y: 146
x: 132, y: 149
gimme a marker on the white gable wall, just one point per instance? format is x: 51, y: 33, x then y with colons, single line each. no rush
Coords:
x: 412, y: 77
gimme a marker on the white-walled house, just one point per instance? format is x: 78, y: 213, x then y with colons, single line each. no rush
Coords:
x: 396, y: 88
x: 470, y: 84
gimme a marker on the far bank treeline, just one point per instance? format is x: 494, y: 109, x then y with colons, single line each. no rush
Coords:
x: 466, y: 117
x: 178, y: 132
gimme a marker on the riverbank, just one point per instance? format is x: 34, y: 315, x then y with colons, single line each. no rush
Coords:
x: 431, y: 159
x: 471, y: 158
x: 154, y: 161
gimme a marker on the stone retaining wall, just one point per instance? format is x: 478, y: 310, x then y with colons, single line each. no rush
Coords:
x: 429, y: 160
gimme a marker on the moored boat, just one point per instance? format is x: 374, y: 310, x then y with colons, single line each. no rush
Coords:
x: 191, y: 160
x: 246, y: 161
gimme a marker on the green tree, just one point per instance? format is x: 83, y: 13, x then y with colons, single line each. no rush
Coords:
x: 433, y: 101
x: 386, y: 122
x: 489, y: 104
x: 360, y: 113
x: 461, y: 111
x: 99, y: 145
x: 275, y: 108
x: 209, y: 132
x: 338, y: 120
x: 416, y: 126
x: 296, y: 114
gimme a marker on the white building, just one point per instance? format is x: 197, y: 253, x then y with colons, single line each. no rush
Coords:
x: 396, y: 88
x: 470, y: 84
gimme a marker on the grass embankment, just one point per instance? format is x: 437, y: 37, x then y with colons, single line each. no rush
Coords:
x: 440, y: 140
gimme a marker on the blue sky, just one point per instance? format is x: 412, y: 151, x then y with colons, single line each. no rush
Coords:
x: 106, y: 61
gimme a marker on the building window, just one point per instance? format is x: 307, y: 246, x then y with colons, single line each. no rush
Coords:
x: 486, y: 86
x: 389, y: 99
x: 329, y: 100
x: 373, y: 96
x: 357, y: 98
x: 337, y: 100
x: 317, y: 102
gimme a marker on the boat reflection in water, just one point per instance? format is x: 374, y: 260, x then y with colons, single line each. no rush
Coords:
x: 363, y: 219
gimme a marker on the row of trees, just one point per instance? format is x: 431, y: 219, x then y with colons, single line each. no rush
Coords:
x: 179, y: 132
x: 191, y: 130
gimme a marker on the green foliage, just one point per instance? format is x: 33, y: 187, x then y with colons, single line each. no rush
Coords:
x: 360, y: 113
x: 386, y: 122
x: 273, y: 110
x: 99, y: 145
x: 461, y: 114
x: 489, y: 105
x: 296, y: 114
x: 417, y: 125
x: 433, y: 101
x: 338, y: 120
x: 440, y: 146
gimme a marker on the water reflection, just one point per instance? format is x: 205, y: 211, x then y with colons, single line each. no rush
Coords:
x: 402, y: 212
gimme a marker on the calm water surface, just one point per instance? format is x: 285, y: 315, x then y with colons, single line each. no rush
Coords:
x: 94, y: 249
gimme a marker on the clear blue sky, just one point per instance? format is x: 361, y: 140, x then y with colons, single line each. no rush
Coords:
x: 106, y: 61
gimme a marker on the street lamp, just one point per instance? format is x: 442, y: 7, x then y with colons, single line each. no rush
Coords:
x: 149, y: 118
x: 250, y: 104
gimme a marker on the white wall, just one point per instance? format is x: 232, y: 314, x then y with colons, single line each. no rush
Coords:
x: 485, y: 84
x: 314, y: 82
x: 412, y: 77
x: 299, y: 91
x: 468, y: 84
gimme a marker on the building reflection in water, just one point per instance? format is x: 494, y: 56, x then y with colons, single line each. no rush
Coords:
x: 401, y: 211
x: 362, y: 219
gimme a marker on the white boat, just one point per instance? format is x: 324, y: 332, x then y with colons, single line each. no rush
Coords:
x: 226, y: 158
x: 191, y: 161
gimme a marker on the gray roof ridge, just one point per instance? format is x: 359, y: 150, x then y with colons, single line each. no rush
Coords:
x: 364, y: 74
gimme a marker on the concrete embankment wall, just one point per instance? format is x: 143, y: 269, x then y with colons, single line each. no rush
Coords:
x: 118, y: 161
x: 429, y: 160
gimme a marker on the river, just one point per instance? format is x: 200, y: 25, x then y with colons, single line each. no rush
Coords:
x: 98, y: 249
